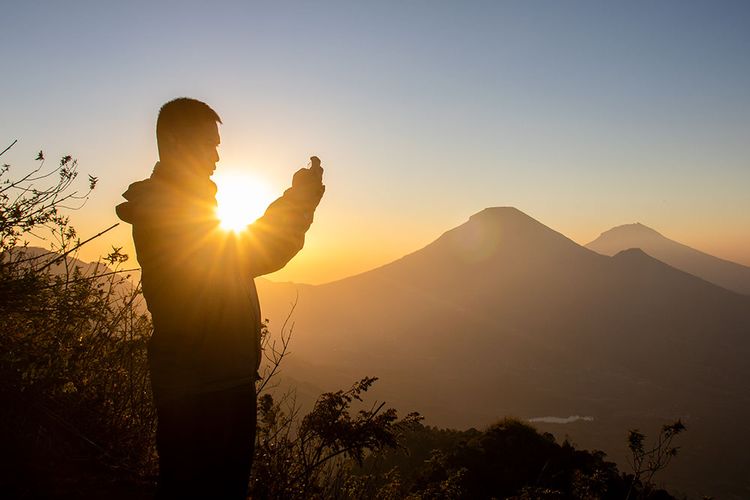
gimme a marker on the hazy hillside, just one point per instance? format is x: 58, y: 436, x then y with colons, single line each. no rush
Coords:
x: 65, y: 267
x: 504, y: 316
x: 39, y: 257
x: 722, y: 272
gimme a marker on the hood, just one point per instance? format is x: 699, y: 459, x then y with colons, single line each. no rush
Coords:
x: 162, y: 192
x: 139, y: 195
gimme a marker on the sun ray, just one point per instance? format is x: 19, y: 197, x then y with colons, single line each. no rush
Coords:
x: 242, y: 198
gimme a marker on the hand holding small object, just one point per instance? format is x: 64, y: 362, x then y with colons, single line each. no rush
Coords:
x: 310, y: 180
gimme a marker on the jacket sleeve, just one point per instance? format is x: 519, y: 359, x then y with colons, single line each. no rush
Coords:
x: 272, y: 241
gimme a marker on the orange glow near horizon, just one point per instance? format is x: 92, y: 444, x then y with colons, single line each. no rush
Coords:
x: 241, y: 198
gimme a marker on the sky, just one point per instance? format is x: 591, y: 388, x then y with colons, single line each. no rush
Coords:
x: 585, y: 115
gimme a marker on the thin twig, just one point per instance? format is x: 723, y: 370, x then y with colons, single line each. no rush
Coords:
x: 11, y: 145
x: 77, y: 246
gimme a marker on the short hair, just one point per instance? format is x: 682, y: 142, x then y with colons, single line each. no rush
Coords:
x: 181, y: 114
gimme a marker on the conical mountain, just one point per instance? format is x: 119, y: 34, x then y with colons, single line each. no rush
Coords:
x: 499, y: 264
x: 488, y: 236
x: 722, y: 272
x: 489, y: 252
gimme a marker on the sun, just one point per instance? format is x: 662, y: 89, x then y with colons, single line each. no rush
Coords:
x: 241, y: 199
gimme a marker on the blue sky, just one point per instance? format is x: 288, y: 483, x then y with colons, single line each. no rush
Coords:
x: 583, y: 114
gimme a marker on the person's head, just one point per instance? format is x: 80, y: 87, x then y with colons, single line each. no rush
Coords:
x: 187, y: 135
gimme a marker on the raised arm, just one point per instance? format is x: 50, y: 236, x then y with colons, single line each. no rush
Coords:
x: 272, y: 241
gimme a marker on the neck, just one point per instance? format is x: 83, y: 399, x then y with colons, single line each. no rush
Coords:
x: 183, y: 178
x: 176, y: 169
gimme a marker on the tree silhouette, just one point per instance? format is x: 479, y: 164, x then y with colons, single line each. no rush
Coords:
x: 646, y: 462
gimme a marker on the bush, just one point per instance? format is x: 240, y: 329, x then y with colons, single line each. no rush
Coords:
x: 72, y: 362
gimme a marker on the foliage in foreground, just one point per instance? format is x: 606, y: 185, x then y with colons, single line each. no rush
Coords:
x: 509, y: 459
x: 74, y: 391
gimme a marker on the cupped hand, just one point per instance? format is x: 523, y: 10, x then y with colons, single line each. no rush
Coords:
x: 309, y: 178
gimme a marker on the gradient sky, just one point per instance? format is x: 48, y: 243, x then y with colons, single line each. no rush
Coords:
x: 584, y: 115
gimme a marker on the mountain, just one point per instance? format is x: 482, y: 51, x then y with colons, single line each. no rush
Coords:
x: 40, y: 257
x: 722, y: 272
x: 57, y: 265
x: 505, y: 316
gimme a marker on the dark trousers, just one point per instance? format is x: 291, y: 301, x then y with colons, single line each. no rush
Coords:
x: 205, y: 443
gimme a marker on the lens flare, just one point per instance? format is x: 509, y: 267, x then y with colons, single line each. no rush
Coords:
x: 241, y: 198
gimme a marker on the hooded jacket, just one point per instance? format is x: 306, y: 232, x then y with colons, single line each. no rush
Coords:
x: 198, y: 279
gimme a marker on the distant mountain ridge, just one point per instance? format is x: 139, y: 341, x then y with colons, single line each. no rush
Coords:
x: 38, y: 256
x: 727, y: 274
x: 66, y: 266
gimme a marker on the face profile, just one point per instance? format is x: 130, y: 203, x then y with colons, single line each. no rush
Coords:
x: 194, y: 148
x: 187, y: 135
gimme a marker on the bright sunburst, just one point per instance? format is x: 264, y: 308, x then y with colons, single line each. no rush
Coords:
x: 241, y: 199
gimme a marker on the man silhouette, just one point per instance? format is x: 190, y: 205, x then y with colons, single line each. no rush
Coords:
x: 198, y: 285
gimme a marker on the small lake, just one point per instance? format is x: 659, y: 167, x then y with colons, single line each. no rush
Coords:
x: 561, y: 420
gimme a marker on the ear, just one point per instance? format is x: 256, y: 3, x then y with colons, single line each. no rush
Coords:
x: 171, y: 139
x: 168, y: 146
x: 173, y: 144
